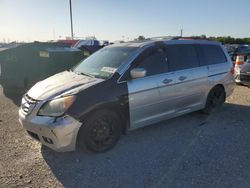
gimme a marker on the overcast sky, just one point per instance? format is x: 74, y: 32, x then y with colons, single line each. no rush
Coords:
x: 29, y: 20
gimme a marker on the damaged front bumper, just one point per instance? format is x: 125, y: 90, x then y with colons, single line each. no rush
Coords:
x: 59, y: 134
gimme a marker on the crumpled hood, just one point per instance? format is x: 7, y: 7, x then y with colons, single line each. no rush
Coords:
x: 64, y: 82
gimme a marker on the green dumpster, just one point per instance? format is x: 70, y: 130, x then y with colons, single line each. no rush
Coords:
x: 22, y: 66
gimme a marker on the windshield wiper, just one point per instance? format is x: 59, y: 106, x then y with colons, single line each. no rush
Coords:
x: 85, y: 74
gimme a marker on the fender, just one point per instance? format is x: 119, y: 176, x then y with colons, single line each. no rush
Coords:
x: 108, y: 94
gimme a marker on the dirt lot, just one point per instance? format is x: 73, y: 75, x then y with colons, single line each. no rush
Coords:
x: 190, y: 151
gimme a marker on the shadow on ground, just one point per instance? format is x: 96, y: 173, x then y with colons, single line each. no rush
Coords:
x: 14, y: 94
x: 190, y: 151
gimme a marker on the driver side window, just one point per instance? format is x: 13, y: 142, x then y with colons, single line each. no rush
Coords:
x: 154, y: 62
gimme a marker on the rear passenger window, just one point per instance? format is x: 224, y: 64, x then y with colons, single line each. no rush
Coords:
x: 182, y: 56
x: 210, y: 54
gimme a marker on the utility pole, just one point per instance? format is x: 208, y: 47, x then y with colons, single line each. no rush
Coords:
x: 71, y: 22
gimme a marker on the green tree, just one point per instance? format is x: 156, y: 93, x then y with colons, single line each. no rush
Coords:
x: 203, y: 36
x: 141, y: 37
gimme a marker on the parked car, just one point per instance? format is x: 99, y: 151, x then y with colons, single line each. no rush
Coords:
x: 123, y: 87
x: 69, y: 42
x: 242, y: 75
x: 240, y: 50
x: 90, y: 46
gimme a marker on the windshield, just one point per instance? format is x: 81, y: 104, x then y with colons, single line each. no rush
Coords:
x: 104, y: 62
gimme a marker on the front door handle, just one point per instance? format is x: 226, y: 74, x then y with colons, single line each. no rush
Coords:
x: 166, y: 81
x: 182, y: 78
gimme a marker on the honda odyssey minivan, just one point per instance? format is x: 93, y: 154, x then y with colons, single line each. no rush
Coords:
x: 123, y: 87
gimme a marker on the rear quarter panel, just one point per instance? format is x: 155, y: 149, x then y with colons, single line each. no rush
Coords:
x: 221, y: 74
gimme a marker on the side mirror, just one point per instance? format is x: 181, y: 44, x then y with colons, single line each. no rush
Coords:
x: 138, y: 73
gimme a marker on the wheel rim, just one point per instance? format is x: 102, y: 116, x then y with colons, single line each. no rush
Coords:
x: 102, y: 133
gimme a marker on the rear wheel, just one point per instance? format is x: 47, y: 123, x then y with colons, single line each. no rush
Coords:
x: 100, y: 132
x: 215, y: 99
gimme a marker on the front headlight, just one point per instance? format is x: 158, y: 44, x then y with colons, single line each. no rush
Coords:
x: 56, y: 107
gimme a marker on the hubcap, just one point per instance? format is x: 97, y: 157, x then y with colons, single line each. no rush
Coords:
x: 102, y: 132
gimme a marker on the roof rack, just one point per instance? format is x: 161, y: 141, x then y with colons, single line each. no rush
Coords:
x: 164, y: 38
x: 177, y: 38
x: 191, y: 38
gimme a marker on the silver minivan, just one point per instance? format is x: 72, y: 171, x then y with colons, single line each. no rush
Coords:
x: 123, y: 87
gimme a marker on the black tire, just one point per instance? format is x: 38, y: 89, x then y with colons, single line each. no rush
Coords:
x: 100, y: 132
x: 215, y: 99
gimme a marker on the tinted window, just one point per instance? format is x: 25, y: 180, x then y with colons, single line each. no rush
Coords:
x: 210, y: 54
x: 154, y: 62
x: 182, y: 57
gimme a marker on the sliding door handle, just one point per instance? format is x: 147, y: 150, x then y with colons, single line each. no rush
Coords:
x: 182, y: 78
x: 167, y: 81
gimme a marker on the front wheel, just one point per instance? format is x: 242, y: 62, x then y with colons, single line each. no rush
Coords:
x: 100, y: 132
x: 215, y: 99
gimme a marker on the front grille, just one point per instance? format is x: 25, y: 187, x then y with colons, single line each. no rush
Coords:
x: 245, y: 77
x: 28, y: 104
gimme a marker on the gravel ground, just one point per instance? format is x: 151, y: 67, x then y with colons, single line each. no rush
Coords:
x: 190, y: 151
